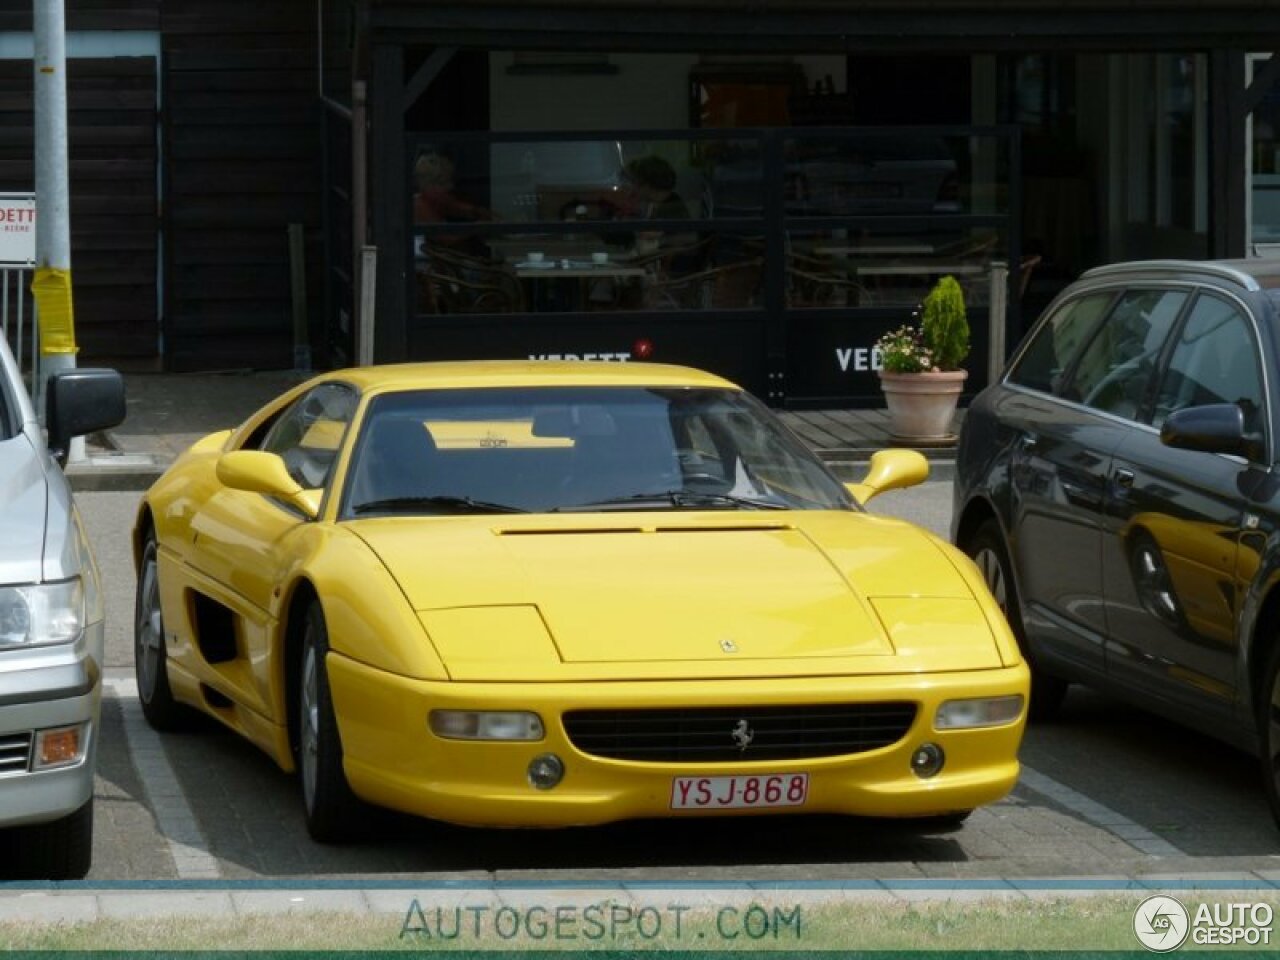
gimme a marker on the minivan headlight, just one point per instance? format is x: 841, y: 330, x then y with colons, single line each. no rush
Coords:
x: 37, y: 614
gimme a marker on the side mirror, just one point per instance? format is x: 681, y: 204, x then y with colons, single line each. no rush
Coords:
x: 1211, y: 428
x: 257, y: 471
x: 77, y: 402
x: 890, y: 470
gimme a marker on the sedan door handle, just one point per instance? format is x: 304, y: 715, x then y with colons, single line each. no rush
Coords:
x: 1124, y: 478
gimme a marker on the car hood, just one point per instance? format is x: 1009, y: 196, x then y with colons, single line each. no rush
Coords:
x: 682, y: 595
x: 24, y: 504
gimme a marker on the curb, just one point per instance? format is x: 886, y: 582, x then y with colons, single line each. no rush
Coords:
x: 114, y: 472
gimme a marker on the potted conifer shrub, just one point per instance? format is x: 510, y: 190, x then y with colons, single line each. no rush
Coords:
x: 920, y: 368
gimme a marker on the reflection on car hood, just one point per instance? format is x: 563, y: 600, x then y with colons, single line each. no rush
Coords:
x: 24, y: 497
x: 721, y: 594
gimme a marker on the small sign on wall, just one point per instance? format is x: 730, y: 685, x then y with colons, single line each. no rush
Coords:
x: 17, y: 229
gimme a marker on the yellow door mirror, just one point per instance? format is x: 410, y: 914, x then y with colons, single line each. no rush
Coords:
x: 890, y: 470
x: 257, y: 471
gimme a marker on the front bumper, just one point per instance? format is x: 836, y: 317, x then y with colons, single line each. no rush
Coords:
x: 42, y: 688
x: 393, y: 760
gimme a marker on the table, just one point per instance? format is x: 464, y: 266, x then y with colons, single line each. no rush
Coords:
x: 923, y: 268
x: 584, y: 272
x: 578, y: 247
x: 578, y: 270
x: 875, y: 249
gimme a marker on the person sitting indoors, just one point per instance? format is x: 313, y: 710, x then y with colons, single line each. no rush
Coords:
x: 436, y: 202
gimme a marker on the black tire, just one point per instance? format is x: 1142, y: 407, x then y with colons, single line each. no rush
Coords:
x: 987, y: 549
x: 150, y: 653
x: 59, y: 850
x: 332, y: 810
x: 1268, y: 713
x: 942, y: 822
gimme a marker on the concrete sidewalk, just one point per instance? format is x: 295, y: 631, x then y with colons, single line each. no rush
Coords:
x: 167, y: 412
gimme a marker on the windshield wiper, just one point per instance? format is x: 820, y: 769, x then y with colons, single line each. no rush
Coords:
x: 680, y: 499
x: 454, y: 504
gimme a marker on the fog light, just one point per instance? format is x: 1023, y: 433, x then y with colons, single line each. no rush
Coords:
x: 927, y: 760
x: 979, y: 712
x: 485, y: 725
x: 545, y: 771
x: 59, y: 747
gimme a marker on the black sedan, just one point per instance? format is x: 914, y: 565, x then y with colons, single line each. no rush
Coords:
x: 1119, y: 487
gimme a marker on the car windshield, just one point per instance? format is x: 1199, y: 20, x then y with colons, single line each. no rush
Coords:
x: 567, y: 449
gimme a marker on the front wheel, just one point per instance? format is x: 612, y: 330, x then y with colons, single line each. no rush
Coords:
x: 58, y: 850
x: 1269, y: 731
x: 987, y: 549
x: 331, y: 808
x: 150, y: 656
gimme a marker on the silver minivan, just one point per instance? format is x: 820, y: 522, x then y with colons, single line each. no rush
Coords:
x: 51, y: 626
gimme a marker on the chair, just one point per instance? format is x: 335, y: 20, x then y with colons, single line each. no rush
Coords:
x: 671, y: 261
x: 637, y: 457
x: 396, y: 459
x: 811, y: 283
x: 729, y: 285
x: 1025, y: 266
x: 453, y: 282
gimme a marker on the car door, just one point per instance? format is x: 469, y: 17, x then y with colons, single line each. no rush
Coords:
x: 1058, y: 452
x: 1174, y: 520
x: 241, y: 538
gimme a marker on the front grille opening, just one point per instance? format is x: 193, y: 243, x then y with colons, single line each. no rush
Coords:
x: 15, y: 752
x: 728, y: 734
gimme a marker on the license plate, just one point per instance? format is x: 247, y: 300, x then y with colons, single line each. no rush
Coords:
x: 729, y: 793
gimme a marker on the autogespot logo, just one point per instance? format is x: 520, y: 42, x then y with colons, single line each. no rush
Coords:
x: 1161, y: 924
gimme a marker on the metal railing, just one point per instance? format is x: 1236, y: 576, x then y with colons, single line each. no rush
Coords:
x: 18, y: 322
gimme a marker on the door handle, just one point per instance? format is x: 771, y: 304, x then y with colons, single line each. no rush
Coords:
x: 1123, y: 478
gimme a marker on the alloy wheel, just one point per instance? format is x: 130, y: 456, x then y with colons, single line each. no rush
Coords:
x: 150, y: 632
x: 309, y: 733
x: 993, y: 574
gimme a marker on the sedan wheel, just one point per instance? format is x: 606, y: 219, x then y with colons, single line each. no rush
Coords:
x: 987, y: 549
x: 1269, y: 732
x: 150, y: 656
x: 331, y: 808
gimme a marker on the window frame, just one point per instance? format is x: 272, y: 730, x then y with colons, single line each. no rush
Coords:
x: 1253, y: 329
x: 1142, y: 413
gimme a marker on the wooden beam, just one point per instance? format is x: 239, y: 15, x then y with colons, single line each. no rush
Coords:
x: 389, y: 178
x: 1262, y: 83
x: 1227, y: 171
x: 425, y: 75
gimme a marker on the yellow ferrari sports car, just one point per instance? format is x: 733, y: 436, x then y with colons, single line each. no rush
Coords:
x: 547, y: 594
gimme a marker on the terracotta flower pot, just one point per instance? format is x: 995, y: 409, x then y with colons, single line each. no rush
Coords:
x: 922, y: 406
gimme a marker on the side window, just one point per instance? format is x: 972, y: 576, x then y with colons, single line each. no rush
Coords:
x: 1056, y: 341
x: 1215, y: 360
x: 308, y: 434
x: 1114, y: 371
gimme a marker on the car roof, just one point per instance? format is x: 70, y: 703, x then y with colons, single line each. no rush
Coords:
x: 444, y: 375
x: 1255, y: 273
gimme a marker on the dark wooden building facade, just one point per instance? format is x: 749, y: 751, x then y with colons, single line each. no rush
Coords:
x: 194, y: 145
x: 202, y: 131
x: 1123, y: 130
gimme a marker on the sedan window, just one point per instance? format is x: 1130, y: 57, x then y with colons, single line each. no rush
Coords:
x: 1215, y: 360
x: 1114, y: 371
x: 1055, y: 343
